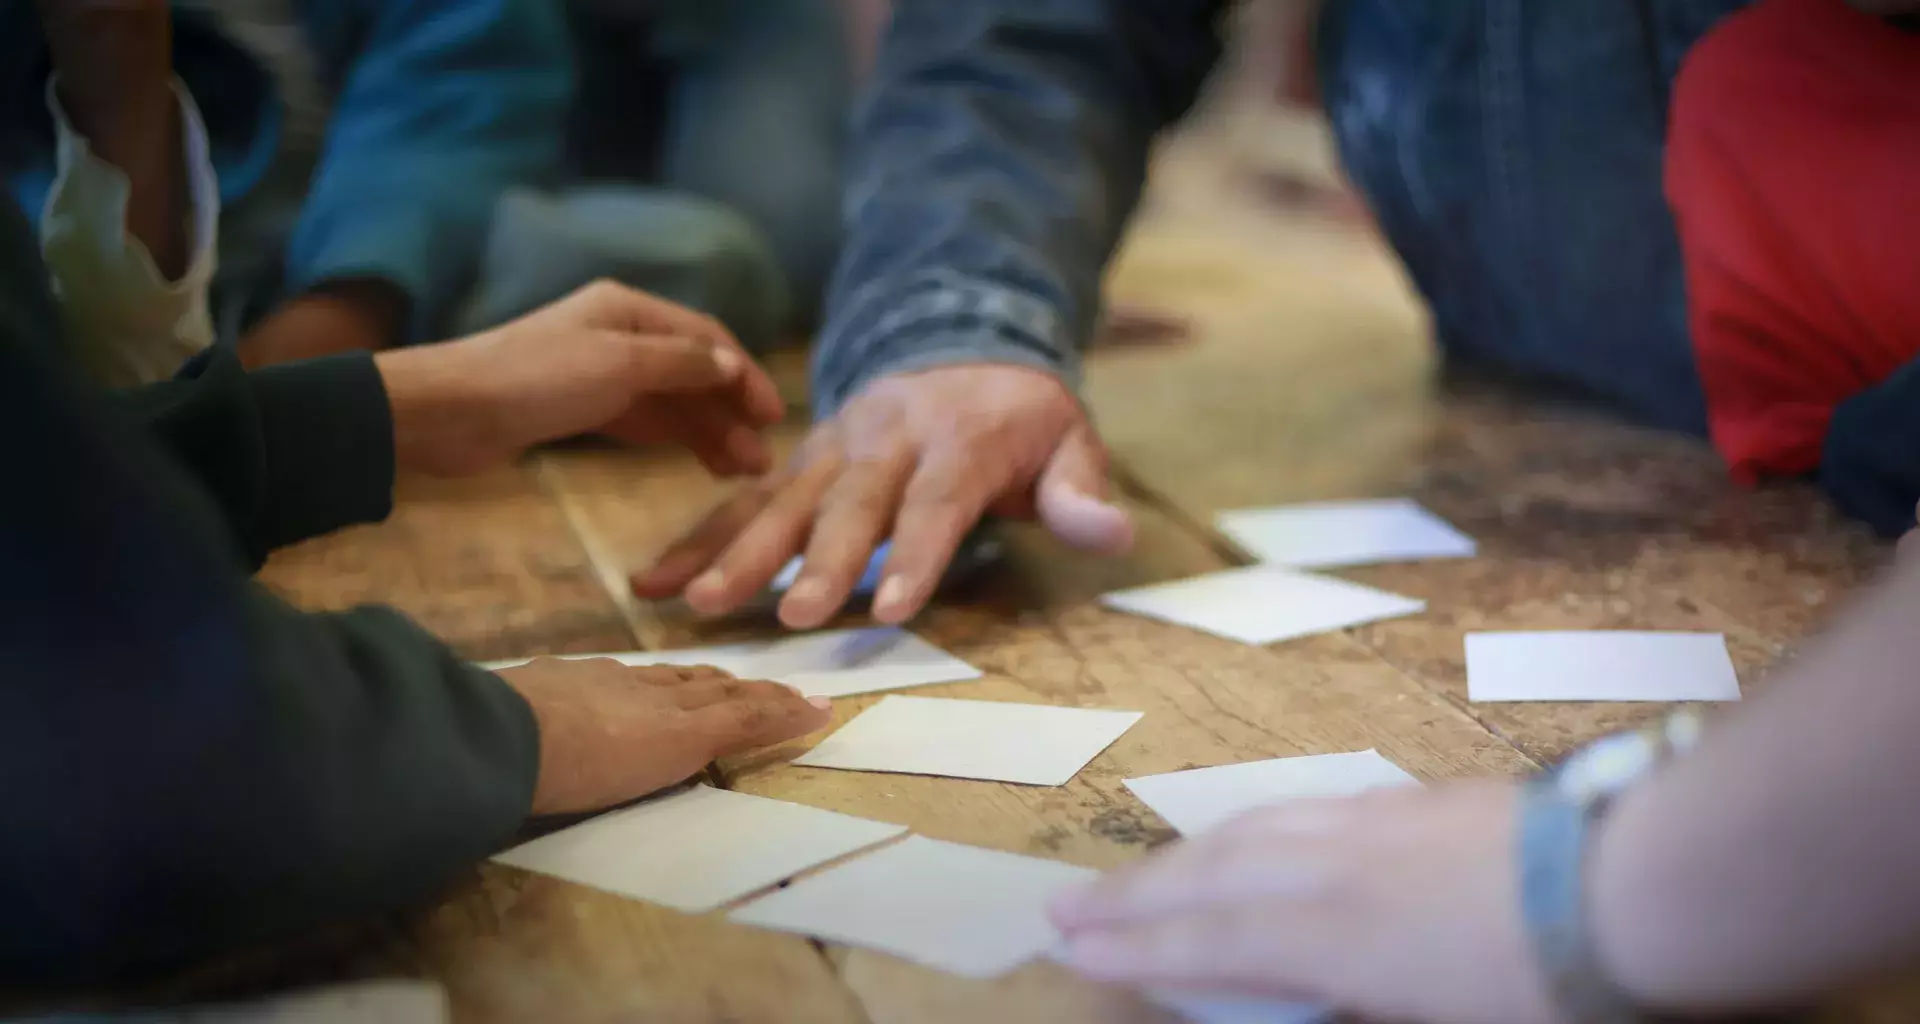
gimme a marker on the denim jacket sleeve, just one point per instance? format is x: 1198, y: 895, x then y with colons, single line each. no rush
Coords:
x: 996, y: 158
x: 441, y: 105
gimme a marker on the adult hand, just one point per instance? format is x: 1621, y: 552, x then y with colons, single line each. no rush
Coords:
x: 917, y: 457
x: 610, y: 733
x: 113, y: 62
x: 605, y: 360
x: 1398, y: 904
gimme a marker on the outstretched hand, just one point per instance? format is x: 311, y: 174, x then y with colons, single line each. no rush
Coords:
x: 917, y: 458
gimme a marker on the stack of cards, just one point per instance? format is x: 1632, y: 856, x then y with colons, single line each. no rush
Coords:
x: 1604, y: 666
x: 834, y: 663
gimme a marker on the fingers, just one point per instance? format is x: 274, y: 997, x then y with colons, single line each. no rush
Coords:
x: 764, y: 546
x: 852, y: 519
x: 697, y: 549
x: 942, y: 502
x: 725, y: 445
x: 634, y: 312
x: 1071, y: 493
x: 1252, y: 859
x: 1253, y: 948
x: 757, y: 714
x: 660, y: 363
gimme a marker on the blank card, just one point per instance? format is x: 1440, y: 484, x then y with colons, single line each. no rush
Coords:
x: 1197, y: 800
x: 971, y: 739
x: 1322, y: 535
x: 1263, y: 604
x: 974, y: 912
x: 834, y: 663
x: 697, y: 849
x: 1599, y: 666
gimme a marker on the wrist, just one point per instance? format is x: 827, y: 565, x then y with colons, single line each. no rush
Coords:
x: 444, y: 423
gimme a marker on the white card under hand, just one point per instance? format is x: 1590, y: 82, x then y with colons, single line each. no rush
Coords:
x: 1595, y: 666
x: 697, y: 849
x: 974, y: 912
x: 1263, y: 604
x: 971, y: 739
x: 833, y: 663
x: 1196, y: 800
x: 1322, y: 535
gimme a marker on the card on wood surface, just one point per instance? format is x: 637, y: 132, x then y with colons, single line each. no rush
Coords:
x: 1322, y: 535
x: 1599, y: 666
x: 971, y: 911
x: 1034, y: 744
x: 1201, y: 798
x: 697, y: 849
x: 1263, y: 604
x: 833, y: 663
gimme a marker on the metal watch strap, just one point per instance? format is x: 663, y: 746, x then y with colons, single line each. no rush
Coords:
x: 1553, y: 830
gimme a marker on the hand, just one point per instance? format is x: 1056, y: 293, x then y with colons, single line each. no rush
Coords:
x: 608, y: 360
x: 1398, y: 904
x: 610, y: 733
x: 918, y: 456
x: 357, y: 315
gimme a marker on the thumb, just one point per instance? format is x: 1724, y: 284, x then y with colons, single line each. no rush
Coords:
x: 1071, y: 497
x: 661, y: 363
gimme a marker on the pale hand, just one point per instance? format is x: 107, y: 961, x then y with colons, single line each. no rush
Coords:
x: 1397, y: 905
x: 606, y: 360
x: 917, y: 458
x: 610, y: 733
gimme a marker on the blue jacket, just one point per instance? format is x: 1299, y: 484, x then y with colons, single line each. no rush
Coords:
x: 996, y: 158
x: 438, y: 105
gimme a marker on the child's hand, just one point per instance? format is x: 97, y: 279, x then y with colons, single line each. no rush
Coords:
x: 605, y: 360
x: 610, y: 733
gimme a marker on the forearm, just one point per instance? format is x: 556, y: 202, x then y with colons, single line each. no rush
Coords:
x: 994, y: 166
x: 131, y: 316
x: 1777, y: 861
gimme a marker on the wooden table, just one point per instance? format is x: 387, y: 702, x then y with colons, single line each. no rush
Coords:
x: 1309, y: 376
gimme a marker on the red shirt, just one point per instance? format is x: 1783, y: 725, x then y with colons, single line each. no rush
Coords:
x: 1793, y: 168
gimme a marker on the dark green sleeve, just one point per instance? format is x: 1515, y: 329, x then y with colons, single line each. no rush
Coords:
x: 188, y: 765
x: 286, y: 453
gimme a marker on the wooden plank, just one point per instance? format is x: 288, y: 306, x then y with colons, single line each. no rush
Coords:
x: 489, y: 564
x: 493, y: 564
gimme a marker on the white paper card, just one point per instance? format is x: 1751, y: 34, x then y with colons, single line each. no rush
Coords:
x: 697, y: 849
x: 1599, y: 666
x: 974, y: 912
x: 1196, y: 800
x: 1263, y: 604
x: 971, y: 739
x: 1325, y: 534
x: 834, y: 663
x: 1230, y: 1009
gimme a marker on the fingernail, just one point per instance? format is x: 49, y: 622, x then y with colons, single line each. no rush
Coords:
x: 1094, y: 952
x: 892, y: 592
x: 807, y: 591
x: 712, y: 581
x: 727, y: 360
x: 823, y: 703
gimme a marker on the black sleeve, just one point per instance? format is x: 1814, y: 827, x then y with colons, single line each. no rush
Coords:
x: 1870, y: 460
x: 286, y: 453
x: 188, y: 765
